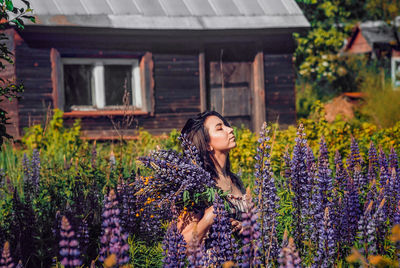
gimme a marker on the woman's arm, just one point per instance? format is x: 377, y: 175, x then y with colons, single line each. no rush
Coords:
x: 189, y: 221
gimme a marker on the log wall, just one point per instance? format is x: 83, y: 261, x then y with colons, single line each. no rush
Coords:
x: 280, y: 99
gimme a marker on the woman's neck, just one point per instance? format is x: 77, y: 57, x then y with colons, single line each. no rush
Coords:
x: 219, y: 159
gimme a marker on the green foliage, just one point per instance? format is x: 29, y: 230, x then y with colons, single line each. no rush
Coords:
x: 144, y: 255
x: 70, y: 169
x: 381, y: 99
x: 242, y: 157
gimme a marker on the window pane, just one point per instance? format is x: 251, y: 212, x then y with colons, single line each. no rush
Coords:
x: 77, y: 85
x: 117, y: 78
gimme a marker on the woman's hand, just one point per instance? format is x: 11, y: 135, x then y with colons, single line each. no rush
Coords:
x: 236, y: 225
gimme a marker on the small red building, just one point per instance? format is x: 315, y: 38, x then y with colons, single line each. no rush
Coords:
x: 176, y: 58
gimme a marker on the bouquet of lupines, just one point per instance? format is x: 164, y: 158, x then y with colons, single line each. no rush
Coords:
x: 178, y: 178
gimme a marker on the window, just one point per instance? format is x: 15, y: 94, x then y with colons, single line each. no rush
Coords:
x: 100, y: 84
x: 396, y: 71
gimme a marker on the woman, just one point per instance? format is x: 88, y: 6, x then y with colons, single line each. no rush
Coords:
x: 214, y: 138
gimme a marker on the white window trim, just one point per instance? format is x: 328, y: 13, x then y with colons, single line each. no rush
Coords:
x: 396, y: 84
x: 98, y: 83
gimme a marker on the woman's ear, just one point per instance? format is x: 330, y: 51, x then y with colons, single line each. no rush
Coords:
x: 210, y: 148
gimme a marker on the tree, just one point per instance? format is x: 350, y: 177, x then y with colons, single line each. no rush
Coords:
x: 10, y: 16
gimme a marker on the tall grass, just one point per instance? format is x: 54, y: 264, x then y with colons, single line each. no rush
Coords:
x: 382, y: 98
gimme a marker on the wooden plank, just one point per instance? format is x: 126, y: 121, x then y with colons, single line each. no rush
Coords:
x: 237, y: 101
x: 258, y: 113
x: 147, y: 82
x: 202, y: 82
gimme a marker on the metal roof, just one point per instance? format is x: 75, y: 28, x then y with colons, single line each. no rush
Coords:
x: 170, y: 14
x: 377, y: 32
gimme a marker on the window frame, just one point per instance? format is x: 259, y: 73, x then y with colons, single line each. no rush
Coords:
x: 396, y: 84
x: 98, y: 83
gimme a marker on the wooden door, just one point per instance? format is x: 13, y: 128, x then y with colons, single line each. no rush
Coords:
x: 230, y: 93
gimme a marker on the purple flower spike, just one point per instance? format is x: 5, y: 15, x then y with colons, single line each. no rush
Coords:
x: 373, y: 164
x: 196, y: 252
x: 69, y: 245
x: 113, y: 239
x: 251, y: 239
x: 174, y: 247
x: 266, y: 196
x: 396, y: 218
x: 222, y: 244
x: 6, y: 260
x: 393, y: 159
x: 289, y: 257
x: 326, y: 243
x: 354, y: 158
x: 366, y: 231
x: 301, y: 185
x: 351, y: 212
x: 35, y: 164
x: 340, y: 172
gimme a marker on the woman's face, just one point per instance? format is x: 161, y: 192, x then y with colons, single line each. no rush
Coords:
x: 221, y: 136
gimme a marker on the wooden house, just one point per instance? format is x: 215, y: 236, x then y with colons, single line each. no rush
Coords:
x: 175, y: 58
x: 378, y: 40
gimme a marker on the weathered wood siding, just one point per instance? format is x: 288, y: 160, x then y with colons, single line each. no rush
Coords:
x: 280, y: 88
x: 177, y: 84
x: 33, y: 69
x: 8, y: 75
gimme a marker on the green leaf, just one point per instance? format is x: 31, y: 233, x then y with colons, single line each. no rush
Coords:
x: 9, y: 5
x: 186, y: 196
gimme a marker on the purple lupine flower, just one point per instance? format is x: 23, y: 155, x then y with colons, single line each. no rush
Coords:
x: 351, y: 212
x: 372, y: 194
x: 391, y: 195
x: 396, y: 217
x: 113, y: 239
x: 196, y: 252
x: 324, y: 180
x: 251, y: 239
x: 373, y: 164
x: 174, y: 246
x: 26, y: 167
x: 364, y: 236
x: 354, y: 159
x: 83, y: 234
x: 393, y: 163
x: 266, y: 196
x: 393, y: 159
x: 359, y: 179
x: 289, y: 257
x: 223, y: 245
x: 322, y: 192
x: 340, y: 173
x: 6, y: 260
x: 69, y: 245
x: 380, y: 226
x: 382, y: 159
x: 175, y: 174
x: 301, y: 185
x: 189, y: 150
x: 326, y: 243
x: 126, y: 194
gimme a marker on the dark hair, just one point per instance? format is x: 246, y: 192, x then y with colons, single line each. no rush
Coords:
x: 198, y: 135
